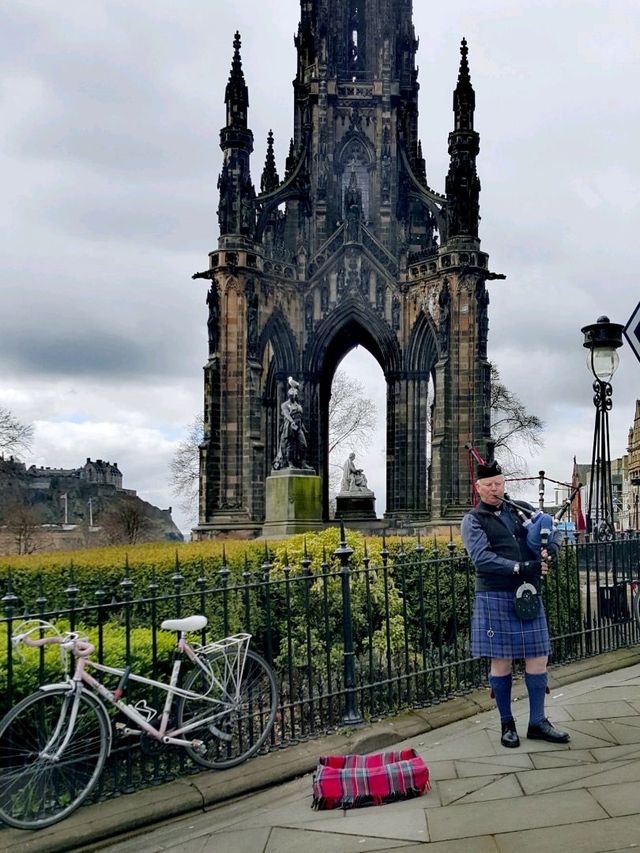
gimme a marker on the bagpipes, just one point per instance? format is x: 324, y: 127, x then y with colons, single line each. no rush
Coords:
x: 540, y: 526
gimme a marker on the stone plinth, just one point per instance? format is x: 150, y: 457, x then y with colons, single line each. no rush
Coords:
x: 356, y: 507
x: 293, y: 503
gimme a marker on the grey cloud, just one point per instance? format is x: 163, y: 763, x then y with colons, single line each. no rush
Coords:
x: 84, y: 354
x: 173, y: 217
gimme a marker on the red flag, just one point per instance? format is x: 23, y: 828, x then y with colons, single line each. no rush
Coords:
x: 576, y: 503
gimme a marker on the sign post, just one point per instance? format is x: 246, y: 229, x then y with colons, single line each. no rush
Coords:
x: 632, y: 331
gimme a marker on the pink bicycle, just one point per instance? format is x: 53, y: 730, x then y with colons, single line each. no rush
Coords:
x: 54, y: 743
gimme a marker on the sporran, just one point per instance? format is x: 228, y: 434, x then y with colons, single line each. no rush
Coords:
x: 526, y: 602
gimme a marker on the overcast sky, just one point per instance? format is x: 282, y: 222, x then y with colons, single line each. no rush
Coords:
x: 109, y: 157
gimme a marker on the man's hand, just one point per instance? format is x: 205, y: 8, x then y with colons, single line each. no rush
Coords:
x: 544, y: 566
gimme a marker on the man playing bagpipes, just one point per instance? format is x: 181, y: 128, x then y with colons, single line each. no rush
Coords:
x: 511, y: 547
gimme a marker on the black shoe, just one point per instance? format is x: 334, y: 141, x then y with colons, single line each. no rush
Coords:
x: 545, y: 731
x: 509, y: 734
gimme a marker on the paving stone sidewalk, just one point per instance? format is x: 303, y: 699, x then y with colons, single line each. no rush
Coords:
x: 582, y: 797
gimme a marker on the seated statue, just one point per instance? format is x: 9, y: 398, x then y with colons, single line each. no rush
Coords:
x: 353, y: 479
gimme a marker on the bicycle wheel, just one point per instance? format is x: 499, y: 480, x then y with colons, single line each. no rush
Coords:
x: 635, y: 605
x: 36, y: 790
x: 245, y: 713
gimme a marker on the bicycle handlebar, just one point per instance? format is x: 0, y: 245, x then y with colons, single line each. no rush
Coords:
x: 80, y: 646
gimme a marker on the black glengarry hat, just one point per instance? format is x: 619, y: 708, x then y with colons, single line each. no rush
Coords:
x: 488, y: 469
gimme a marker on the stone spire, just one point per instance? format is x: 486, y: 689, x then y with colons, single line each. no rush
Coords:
x: 464, y: 98
x: 236, y: 209
x: 463, y: 184
x: 270, y: 179
x: 236, y: 94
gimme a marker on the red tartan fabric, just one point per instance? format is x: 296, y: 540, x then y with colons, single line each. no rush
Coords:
x: 349, y: 781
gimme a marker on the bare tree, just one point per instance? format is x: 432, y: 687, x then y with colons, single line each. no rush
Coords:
x: 184, y: 469
x: 24, y: 523
x: 352, y: 416
x: 127, y: 523
x: 513, y: 428
x: 15, y: 437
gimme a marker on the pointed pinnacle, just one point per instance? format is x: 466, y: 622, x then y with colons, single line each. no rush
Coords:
x: 463, y: 74
x: 236, y: 75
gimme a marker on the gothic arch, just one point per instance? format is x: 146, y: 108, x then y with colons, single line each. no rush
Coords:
x: 285, y: 349
x: 422, y: 350
x: 356, y: 157
x: 355, y: 139
x: 351, y: 323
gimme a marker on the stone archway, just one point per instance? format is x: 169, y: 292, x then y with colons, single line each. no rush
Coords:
x: 351, y: 325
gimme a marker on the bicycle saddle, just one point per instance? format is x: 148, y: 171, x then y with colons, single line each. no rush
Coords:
x: 191, y: 623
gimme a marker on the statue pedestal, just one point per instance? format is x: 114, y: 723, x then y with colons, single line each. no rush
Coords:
x: 356, y: 507
x: 293, y: 499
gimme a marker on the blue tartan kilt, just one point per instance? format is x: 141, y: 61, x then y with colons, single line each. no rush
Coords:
x: 496, y: 631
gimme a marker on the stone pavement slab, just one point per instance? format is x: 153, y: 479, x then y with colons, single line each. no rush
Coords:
x: 569, y: 758
x: 618, y: 799
x: 467, y: 821
x: 452, y: 790
x: 600, y: 836
x: 593, y: 710
x: 484, y: 844
x: 538, y: 781
x: 504, y: 788
x: 624, y: 730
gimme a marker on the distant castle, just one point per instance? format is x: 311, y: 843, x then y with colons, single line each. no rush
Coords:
x: 98, y: 472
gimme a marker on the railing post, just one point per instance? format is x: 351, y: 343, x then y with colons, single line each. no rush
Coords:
x: 9, y: 601
x: 351, y: 717
x: 177, y: 579
x: 266, y: 579
x: 307, y: 583
x: 224, y: 580
x: 72, y: 594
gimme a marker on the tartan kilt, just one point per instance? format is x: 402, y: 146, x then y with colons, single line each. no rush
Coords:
x: 496, y: 631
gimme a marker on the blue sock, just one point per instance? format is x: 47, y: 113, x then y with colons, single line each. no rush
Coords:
x: 501, y: 686
x: 537, y: 689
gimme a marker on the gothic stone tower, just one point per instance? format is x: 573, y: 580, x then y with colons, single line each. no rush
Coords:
x: 350, y: 246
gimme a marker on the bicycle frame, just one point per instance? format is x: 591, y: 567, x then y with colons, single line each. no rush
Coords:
x: 82, y: 651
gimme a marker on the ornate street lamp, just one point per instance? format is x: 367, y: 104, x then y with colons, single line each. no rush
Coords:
x: 602, y: 339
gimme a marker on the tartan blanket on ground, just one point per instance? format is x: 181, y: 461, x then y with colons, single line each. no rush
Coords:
x: 350, y: 781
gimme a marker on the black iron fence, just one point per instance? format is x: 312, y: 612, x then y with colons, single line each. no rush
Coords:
x: 349, y: 642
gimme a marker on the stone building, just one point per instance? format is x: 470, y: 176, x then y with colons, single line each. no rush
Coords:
x: 99, y: 472
x: 632, y: 504
x: 349, y: 246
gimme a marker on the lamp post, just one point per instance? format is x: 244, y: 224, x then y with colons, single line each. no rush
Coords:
x: 601, y: 340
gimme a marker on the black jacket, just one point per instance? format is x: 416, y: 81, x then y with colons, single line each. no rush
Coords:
x: 496, y: 541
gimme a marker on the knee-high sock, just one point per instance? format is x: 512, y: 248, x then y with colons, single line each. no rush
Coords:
x: 536, y: 688
x: 501, y: 686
